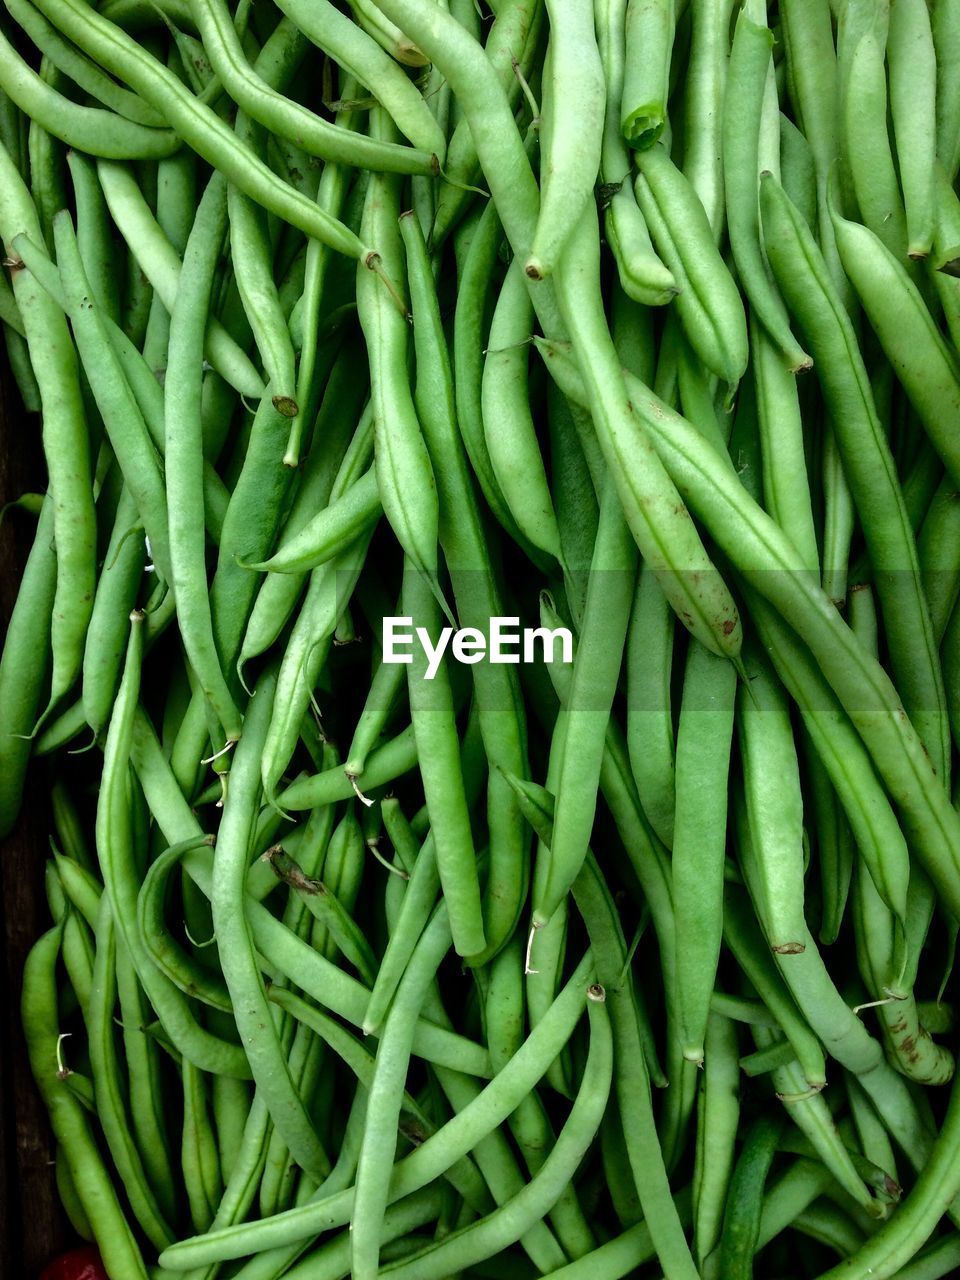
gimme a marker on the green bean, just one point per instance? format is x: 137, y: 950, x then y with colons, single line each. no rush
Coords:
x: 708, y: 303
x: 95, y: 1189
x: 643, y: 276
x: 749, y: 63
x: 856, y: 678
x: 330, y: 531
x: 170, y: 958
x: 921, y: 359
x: 705, y: 93
x: 431, y: 707
x: 125, y: 427
x: 508, y: 427
x: 513, y: 40
x: 78, y: 68
x: 946, y: 49
x: 786, y: 484
x: 460, y: 1135
x: 938, y: 547
x: 162, y: 265
x: 805, y: 29
x: 195, y: 123
x: 774, y: 805
x: 325, y: 907
x: 633, y: 1087
x: 114, y: 847
x: 801, y: 273
x: 24, y: 665
x: 504, y: 1020
x: 571, y: 130
x: 500, y: 709
x: 546, y: 949
x: 65, y: 437
x: 867, y: 147
x: 836, y: 850
x: 704, y: 738
x: 913, y: 83
x: 363, y: 58
x: 649, y: 46
x: 90, y: 129
x: 201, y: 1169
x: 93, y: 234
x: 327, y: 596
x: 718, y: 1116
x: 241, y: 969
x: 184, y: 450
x: 399, y: 1222
x: 402, y: 461
x: 509, y: 1222
x: 385, y: 689
x: 672, y: 548
x: 251, y: 252
x: 650, y: 733
x: 741, y: 1222
x: 749, y: 949
x: 594, y: 680
x: 70, y: 1198
x: 278, y: 593
x: 418, y: 902
x: 286, y: 118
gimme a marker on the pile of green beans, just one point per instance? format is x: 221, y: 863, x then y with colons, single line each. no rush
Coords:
x: 638, y: 319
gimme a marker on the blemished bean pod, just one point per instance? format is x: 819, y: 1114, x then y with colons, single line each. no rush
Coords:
x: 913, y: 86
x: 571, y: 131
x: 649, y: 34
x: 708, y: 304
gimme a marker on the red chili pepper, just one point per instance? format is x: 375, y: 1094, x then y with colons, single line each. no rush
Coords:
x: 78, y: 1264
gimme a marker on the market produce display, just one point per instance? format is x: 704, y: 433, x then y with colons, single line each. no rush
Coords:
x: 490, y: 652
